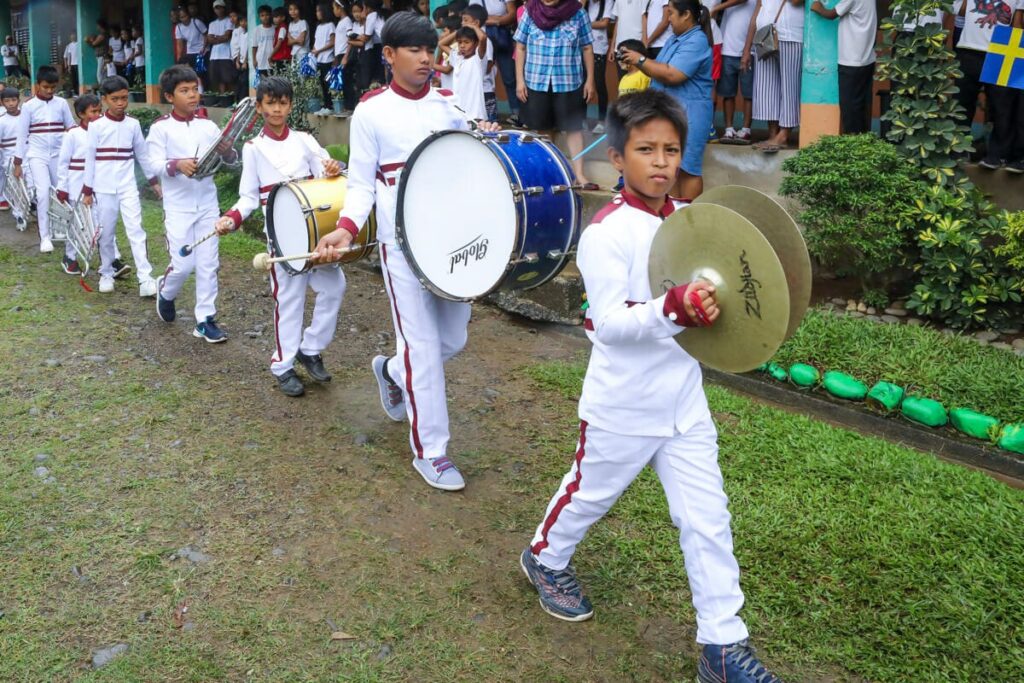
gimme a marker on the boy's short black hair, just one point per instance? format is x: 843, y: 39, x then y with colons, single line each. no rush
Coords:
x: 113, y: 84
x: 634, y: 45
x: 82, y: 103
x: 452, y: 23
x: 408, y: 29
x: 477, y: 12
x: 47, y: 74
x: 636, y: 109
x: 173, y: 76
x: 440, y: 13
x: 278, y: 12
x: 10, y: 94
x: 263, y: 8
x: 276, y: 88
x: 466, y: 33
x: 458, y: 6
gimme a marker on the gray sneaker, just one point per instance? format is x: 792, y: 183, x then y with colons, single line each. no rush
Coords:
x: 559, y: 591
x: 392, y: 398
x: 441, y: 473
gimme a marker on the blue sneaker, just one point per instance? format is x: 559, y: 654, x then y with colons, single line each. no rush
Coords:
x: 209, y: 331
x: 164, y: 307
x: 734, y: 663
x: 560, y: 592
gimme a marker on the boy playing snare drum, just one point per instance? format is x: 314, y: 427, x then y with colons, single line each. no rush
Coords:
x: 429, y: 330
x: 279, y: 154
x: 643, y: 402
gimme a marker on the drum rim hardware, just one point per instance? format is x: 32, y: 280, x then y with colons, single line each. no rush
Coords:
x: 242, y: 119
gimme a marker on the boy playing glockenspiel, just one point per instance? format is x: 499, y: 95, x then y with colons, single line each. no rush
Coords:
x: 643, y: 402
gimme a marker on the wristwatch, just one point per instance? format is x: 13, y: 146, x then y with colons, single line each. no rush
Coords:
x: 640, y: 62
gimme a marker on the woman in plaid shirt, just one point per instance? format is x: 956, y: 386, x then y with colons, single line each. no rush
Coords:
x: 550, y: 80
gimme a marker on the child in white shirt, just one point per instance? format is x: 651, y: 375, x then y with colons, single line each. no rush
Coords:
x: 466, y: 64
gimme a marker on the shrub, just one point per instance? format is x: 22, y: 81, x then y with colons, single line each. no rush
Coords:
x: 145, y: 116
x: 1013, y: 248
x: 857, y: 194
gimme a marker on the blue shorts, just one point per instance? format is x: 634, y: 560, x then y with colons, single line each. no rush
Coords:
x: 734, y: 79
x: 699, y: 115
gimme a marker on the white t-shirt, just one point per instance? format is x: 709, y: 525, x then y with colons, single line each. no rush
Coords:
x: 117, y: 50
x: 858, y: 24
x: 447, y: 80
x: 10, y: 53
x: 468, y: 83
x: 655, y: 12
x: 716, y: 30
x: 70, y: 54
x: 495, y: 8
x: 341, y: 32
x: 489, y: 73
x: 790, y: 25
x: 735, y: 24
x: 239, y: 44
x: 977, y: 36
x: 192, y: 34
x: 221, y: 27
x: 295, y: 29
x: 628, y: 17
x: 600, y: 34
x: 371, y: 27
x: 111, y: 69
x: 263, y: 41
x: 139, y: 52
x: 323, y: 35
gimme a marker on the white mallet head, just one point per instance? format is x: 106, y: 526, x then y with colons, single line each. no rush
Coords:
x: 261, y: 261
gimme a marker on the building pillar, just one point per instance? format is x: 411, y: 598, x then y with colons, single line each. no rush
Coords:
x: 87, y: 12
x: 40, y: 13
x: 819, y: 89
x: 159, y: 42
x: 5, y: 18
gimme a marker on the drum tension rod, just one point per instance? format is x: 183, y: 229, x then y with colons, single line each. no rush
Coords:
x: 555, y: 189
x: 556, y: 254
x: 527, y: 258
x: 317, y: 209
x: 528, y: 191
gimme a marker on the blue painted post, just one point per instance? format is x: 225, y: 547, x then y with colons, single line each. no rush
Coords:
x: 39, y: 15
x: 819, y: 90
x: 156, y: 27
x: 87, y: 12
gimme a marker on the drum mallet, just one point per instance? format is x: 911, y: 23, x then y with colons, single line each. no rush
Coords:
x: 263, y: 261
x: 189, y: 248
x: 593, y: 144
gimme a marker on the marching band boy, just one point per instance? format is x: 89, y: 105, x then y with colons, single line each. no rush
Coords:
x: 429, y: 330
x: 190, y: 206
x: 42, y: 124
x: 115, y: 143
x: 71, y: 167
x: 10, y: 123
x: 643, y: 402
x: 277, y: 155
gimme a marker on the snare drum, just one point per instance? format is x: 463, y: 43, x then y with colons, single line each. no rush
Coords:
x: 300, y: 212
x: 479, y: 213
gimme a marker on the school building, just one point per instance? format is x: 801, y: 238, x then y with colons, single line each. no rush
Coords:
x: 42, y: 28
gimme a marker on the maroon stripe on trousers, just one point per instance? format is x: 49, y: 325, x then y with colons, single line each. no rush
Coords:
x: 277, y: 317
x: 408, y: 362
x: 566, y: 497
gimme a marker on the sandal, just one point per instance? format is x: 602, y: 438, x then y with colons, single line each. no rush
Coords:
x: 590, y: 187
x: 769, y: 149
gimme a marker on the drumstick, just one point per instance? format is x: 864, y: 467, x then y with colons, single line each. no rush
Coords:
x: 593, y: 144
x: 263, y: 261
x: 189, y: 248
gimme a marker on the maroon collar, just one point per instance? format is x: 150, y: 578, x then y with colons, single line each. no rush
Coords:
x: 665, y: 211
x: 270, y: 134
x: 174, y: 115
x: 402, y: 92
x: 112, y: 117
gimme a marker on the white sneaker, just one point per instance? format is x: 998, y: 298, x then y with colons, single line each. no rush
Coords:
x: 599, y: 129
x: 45, y: 246
x: 392, y: 398
x: 21, y: 223
x: 106, y: 284
x: 325, y: 112
x: 147, y: 288
x: 441, y: 473
x: 729, y: 134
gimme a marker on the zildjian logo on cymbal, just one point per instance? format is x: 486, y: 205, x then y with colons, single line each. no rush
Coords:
x: 749, y: 288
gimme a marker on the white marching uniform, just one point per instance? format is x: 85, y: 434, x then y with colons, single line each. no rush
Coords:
x: 190, y: 207
x: 643, y: 404
x: 387, y: 126
x: 267, y: 161
x: 114, y: 147
x: 41, y: 128
x: 9, y: 126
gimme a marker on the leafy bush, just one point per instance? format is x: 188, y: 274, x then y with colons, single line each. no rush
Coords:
x: 1013, y: 248
x: 305, y: 90
x: 145, y: 116
x: 338, y: 152
x: 227, y: 194
x: 857, y: 195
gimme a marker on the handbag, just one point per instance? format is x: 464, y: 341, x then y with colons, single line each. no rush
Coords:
x: 766, y: 38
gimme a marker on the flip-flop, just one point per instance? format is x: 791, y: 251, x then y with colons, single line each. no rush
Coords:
x: 590, y: 187
x: 769, y: 149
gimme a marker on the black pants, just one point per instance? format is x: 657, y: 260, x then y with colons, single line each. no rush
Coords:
x: 350, y: 76
x: 242, y: 85
x: 855, y: 98
x: 970, y: 84
x: 73, y: 73
x: 1007, y: 140
x: 325, y: 92
x: 601, y: 83
x: 371, y: 68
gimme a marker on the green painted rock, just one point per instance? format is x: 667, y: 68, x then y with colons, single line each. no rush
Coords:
x: 1012, y: 438
x: 777, y: 372
x: 885, y: 396
x: 804, y: 375
x: 974, y: 424
x: 924, y: 411
x: 842, y: 385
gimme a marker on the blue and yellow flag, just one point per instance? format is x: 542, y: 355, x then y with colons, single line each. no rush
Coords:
x: 1004, y: 64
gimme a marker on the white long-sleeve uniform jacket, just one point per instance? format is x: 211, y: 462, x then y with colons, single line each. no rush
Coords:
x: 9, y: 126
x: 114, y: 147
x: 639, y: 381
x: 387, y: 126
x: 268, y: 160
x: 71, y: 166
x: 41, y: 128
x: 172, y: 139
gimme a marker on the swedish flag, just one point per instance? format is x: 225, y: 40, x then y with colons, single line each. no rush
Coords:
x: 1004, y: 64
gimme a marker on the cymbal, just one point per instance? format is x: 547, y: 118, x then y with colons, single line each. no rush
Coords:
x: 782, y: 233
x: 711, y: 242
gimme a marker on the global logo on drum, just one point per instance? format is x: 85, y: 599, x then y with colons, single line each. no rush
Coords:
x: 474, y: 250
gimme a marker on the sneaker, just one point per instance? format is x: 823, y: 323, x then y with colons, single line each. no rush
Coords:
x: 5, y: 206
x: 325, y: 112
x: 1014, y: 167
x: 619, y: 185
x: 560, y: 592
x: 290, y: 384
x: 729, y: 134
x: 441, y: 473
x: 392, y: 398
x: 70, y: 266
x: 712, y: 134
x: 121, y: 269
x: 990, y: 165
x: 45, y: 246
x: 209, y: 331
x: 106, y: 284
x: 734, y: 663
x: 743, y: 136
x: 147, y: 288
x: 598, y: 129
x: 314, y: 366
x: 514, y: 121
x: 21, y: 223
x: 164, y: 307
